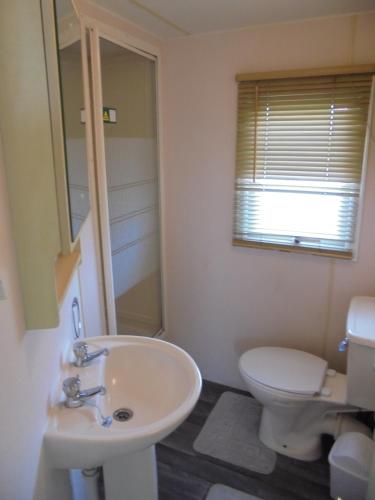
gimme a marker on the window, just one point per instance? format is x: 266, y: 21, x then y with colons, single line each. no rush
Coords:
x: 300, y: 148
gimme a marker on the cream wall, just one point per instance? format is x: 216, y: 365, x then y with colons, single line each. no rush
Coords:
x: 90, y: 281
x: 30, y: 368
x: 31, y: 361
x: 29, y: 371
x: 223, y: 300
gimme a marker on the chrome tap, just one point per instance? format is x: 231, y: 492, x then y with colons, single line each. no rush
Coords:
x: 74, y: 396
x: 83, y: 357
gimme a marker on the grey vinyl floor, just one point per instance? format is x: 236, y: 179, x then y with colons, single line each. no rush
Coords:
x: 185, y: 474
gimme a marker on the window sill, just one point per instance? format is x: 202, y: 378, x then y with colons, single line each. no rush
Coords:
x: 294, y: 249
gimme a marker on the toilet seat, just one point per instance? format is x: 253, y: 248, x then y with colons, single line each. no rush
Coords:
x: 287, y: 370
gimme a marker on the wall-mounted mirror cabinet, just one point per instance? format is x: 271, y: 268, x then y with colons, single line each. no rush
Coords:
x: 37, y: 155
x: 63, y: 48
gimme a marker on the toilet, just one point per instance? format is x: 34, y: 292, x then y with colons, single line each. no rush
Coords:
x: 303, y: 398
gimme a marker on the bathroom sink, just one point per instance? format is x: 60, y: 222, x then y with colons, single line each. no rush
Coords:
x: 159, y: 382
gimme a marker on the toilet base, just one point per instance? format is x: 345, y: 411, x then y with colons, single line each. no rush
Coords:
x: 301, y: 446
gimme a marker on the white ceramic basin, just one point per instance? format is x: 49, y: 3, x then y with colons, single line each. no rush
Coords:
x: 158, y: 381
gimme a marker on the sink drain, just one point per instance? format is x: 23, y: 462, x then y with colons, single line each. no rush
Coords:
x: 123, y: 414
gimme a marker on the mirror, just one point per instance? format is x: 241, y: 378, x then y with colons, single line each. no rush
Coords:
x: 72, y: 105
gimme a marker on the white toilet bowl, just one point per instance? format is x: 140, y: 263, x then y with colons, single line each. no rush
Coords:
x: 302, y: 399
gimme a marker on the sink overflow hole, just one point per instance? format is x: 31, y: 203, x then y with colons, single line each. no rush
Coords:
x: 123, y: 414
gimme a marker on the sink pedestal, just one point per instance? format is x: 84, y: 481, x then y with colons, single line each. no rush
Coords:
x: 132, y: 477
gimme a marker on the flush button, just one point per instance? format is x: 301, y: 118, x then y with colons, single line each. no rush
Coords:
x: 331, y: 372
x: 326, y: 391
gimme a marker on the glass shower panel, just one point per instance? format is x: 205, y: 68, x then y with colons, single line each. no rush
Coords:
x: 129, y: 115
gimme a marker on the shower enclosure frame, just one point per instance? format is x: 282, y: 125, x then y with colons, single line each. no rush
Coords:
x: 98, y: 30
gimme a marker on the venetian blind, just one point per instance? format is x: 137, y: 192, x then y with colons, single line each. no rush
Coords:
x: 300, y: 144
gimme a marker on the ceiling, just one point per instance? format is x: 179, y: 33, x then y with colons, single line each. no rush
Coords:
x: 170, y: 18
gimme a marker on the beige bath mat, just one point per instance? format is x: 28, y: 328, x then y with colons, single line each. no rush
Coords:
x: 230, y: 434
x: 221, y: 492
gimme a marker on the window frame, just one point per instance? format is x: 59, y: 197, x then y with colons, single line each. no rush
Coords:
x: 319, y: 72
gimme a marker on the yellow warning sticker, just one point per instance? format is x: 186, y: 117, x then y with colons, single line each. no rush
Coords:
x: 109, y: 115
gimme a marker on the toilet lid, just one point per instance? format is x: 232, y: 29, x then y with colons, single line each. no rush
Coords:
x: 284, y: 369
